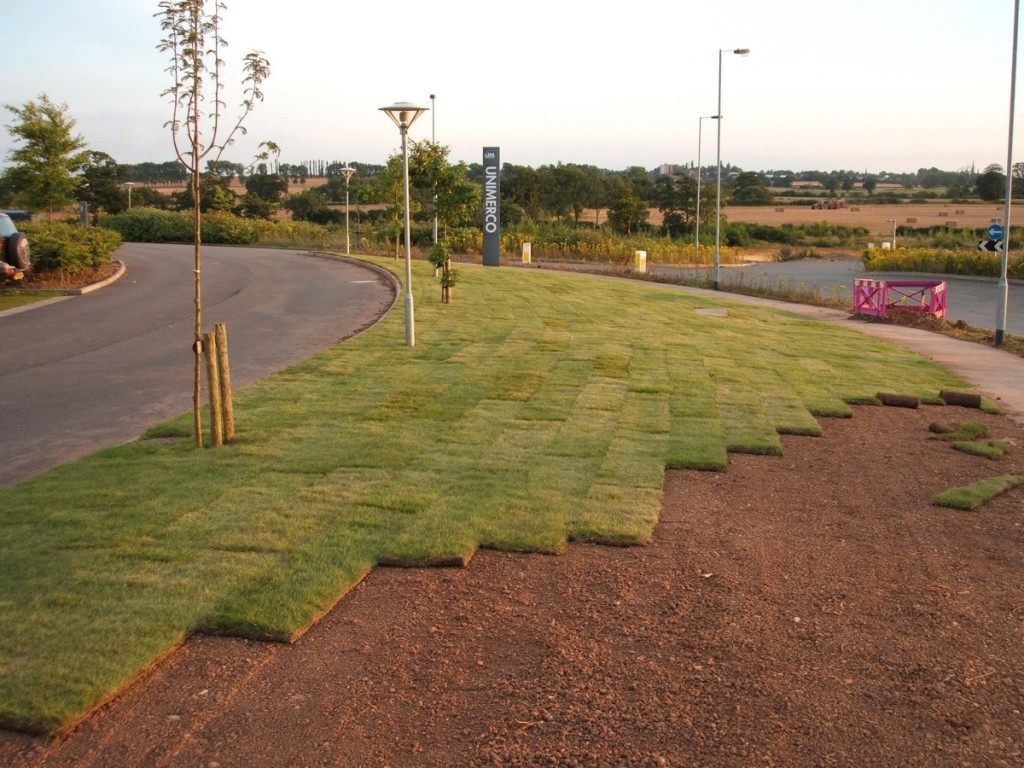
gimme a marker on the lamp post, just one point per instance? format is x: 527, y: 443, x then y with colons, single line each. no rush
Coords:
x: 700, y: 128
x: 893, y: 222
x: 347, y: 172
x: 1002, y: 298
x: 403, y: 114
x: 718, y: 196
x: 128, y: 185
x: 433, y: 140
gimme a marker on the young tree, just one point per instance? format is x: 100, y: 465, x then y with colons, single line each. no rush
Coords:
x: 442, y: 187
x: 42, y: 174
x: 194, y: 43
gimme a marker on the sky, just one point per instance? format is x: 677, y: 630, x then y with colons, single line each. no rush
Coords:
x: 862, y: 85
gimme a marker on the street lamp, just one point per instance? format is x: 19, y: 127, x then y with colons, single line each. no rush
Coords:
x: 347, y: 172
x: 1003, y: 295
x: 700, y: 128
x: 893, y: 222
x: 433, y: 140
x: 403, y: 114
x: 128, y: 185
x: 718, y: 197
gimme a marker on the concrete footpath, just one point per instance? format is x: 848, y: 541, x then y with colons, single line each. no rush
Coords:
x: 996, y: 374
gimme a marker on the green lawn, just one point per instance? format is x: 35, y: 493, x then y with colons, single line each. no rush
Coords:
x: 538, y: 408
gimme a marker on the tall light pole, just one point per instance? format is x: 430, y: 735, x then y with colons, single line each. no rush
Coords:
x: 893, y: 222
x: 718, y: 197
x: 433, y: 140
x: 403, y: 114
x: 1002, y: 298
x: 128, y: 185
x: 700, y: 128
x: 347, y: 172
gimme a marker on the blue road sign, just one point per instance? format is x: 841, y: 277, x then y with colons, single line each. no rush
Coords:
x: 995, y: 232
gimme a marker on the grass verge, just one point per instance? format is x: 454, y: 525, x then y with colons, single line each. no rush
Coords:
x: 15, y: 299
x: 539, y: 408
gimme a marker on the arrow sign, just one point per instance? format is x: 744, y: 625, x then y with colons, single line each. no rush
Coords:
x: 992, y: 246
x: 995, y: 232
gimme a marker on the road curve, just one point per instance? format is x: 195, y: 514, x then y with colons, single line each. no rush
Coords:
x: 87, y: 372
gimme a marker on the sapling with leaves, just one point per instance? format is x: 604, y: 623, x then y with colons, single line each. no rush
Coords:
x: 200, y: 129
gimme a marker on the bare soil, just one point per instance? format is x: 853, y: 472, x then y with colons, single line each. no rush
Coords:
x: 813, y: 609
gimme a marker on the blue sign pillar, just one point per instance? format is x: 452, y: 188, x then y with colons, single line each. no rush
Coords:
x: 492, y: 207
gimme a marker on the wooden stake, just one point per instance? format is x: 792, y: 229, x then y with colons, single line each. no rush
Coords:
x: 227, y: 401
x: 216, y: 425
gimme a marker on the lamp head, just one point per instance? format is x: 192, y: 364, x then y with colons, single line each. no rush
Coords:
x: 404, y: 113
x: 742, y: 51
x: 347, y: 172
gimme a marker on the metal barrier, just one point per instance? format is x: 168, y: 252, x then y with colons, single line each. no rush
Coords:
x: 875, y: 297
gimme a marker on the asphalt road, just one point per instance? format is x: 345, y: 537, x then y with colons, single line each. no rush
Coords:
x: 92, y: 371
x: 970, y: 299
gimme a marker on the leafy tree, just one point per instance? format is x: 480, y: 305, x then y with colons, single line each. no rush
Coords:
x: 991, y: 184
x: 215, y: 194
x: 1018, y: 179
x: 170, y: 172
x: 627, y: 212
x: 224, y: 169
x: 194, y: 43
x: 571, y: 189
x: 869, y: 184
x: 676, y: 198
x: 43, y: 167
x: 103, y: 184
x: 269, y: 186
x: 310, y: 205
x: 748, y: 189
x: 442, y: 188
x: 522, y: 186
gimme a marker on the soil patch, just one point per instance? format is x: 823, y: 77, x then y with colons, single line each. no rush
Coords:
x: 51, y: 280
x: 807, y: 610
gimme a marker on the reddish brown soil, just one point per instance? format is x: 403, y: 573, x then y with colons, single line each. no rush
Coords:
x: 808, y: 610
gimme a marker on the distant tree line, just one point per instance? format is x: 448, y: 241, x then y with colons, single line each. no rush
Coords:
x: 52, y: 167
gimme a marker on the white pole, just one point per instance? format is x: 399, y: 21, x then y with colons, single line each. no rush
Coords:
x: 433, y: 140
x: 700, y: 128
x: 718, y: 194
x: 410, y: 330
x: 1003, y: 289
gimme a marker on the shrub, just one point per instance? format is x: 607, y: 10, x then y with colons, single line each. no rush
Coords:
x: 151, y: 225
x: 70, y: 248
x: 940, y: 261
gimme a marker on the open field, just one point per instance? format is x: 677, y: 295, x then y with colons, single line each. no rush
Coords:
x: 875, y: 218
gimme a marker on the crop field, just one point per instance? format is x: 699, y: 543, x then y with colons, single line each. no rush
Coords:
x: 877, y: 219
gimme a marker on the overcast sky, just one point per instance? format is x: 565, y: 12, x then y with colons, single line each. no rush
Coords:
x: 864, y: 85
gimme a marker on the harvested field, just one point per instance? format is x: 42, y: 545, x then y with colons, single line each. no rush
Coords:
x: 877, y: 219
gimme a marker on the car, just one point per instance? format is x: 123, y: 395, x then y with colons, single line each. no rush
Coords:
x: 14, y: 251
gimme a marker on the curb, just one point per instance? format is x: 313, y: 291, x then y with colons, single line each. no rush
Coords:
x: 121, y: 269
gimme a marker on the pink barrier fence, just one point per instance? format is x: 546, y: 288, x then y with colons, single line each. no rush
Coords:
x: 876, y: 297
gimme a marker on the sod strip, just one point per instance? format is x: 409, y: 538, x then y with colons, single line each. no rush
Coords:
x: 538, y: 408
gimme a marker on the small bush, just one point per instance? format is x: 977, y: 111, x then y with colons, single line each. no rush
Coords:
x: 70, y: 248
